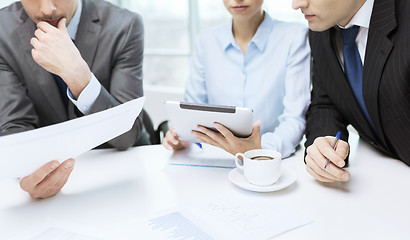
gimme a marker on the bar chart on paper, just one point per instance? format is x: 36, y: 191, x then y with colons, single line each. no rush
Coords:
x: 176, y: 226
x: 229, y: 216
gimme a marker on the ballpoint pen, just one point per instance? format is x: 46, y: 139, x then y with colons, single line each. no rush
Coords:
x: 334, y: 147
x: 199, y: 145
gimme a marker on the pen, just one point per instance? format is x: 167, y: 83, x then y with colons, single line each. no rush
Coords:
x: 334, y: 147
x: 199, y: 145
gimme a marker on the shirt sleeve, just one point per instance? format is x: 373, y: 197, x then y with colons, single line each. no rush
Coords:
x: 88, y: 96
x: 289, y: 132
x: 195, y: 89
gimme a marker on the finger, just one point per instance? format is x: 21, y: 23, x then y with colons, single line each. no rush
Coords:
x: 45, y: 27
x: 172, y: 131
x: 255, y: 137
x: 317, y: 176
x: 29, y: 182
x: 39, y: 34
x: 342, y: 149
x: 314, y: 153
x: 320, y: 161
x: 215, y: 136
x: 62, y: 25
x: 256, y: 129
x: 59, y: 184
x: 184, y: 144
x: 323, y: 144
x: 36, y: 55
x: 318, y: 169
x: 224, y: 131
x: 171, y: 138
x: 35, y: 43
x: 201, y: 137
x: 176, y: 145
x: 53, y: 183
x: 166, y: 145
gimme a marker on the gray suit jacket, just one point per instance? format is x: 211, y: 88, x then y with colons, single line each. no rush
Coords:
x: 110, y: 40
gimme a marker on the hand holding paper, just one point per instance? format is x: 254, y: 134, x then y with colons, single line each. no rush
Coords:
x: 48, y: 180
x: 22, y: 153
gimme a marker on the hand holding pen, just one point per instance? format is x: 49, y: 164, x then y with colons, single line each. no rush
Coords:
x: 337, y: 138
x: 326, y: 157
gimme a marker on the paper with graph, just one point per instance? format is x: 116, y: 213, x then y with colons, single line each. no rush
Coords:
x: 230, y: 216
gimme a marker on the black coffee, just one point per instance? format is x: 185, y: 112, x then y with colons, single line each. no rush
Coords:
x: 262, y: 158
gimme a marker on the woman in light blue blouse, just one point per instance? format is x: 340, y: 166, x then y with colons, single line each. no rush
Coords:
x: 255, y: 62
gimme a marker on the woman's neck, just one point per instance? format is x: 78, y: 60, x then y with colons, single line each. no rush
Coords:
x: 244, y: 30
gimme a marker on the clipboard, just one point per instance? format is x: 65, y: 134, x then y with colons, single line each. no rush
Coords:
x: 185, y: 117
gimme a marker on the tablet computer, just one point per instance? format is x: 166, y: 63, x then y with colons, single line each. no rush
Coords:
x: 185, y: 117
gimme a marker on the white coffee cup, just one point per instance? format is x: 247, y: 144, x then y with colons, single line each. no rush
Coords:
x: 260, y: 166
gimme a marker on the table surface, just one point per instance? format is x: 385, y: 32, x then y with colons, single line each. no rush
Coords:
x: 108, y: 187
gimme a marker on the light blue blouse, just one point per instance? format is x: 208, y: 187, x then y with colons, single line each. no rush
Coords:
x: 273, y: 78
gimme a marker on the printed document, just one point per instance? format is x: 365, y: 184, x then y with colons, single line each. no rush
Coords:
x: 207, y: 156
x: 52, y: 229
x: 233, y: 215
x: 23, y: 153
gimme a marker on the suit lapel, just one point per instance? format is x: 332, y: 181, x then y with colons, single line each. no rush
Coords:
x: 333, y: 58
x: 378, y: 49
x: 41, y: 78
x: 88, y: 32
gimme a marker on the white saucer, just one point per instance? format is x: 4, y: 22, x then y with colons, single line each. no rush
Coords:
x: 286, y: 178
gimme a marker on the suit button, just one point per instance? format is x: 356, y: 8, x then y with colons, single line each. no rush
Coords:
x: 372, y: 143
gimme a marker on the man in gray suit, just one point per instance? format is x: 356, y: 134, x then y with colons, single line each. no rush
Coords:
x: 63, y: 59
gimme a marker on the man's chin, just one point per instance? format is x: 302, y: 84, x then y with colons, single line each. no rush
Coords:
x: 318, y: 27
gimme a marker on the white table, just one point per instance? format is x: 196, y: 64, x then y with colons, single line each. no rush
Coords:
x: 109, y: 187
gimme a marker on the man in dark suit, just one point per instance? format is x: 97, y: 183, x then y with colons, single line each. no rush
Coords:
x: 361, y: 76
x: 64, y: 59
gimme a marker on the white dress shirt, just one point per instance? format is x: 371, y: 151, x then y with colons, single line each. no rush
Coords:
x: 272, y: 78
x: 90, y: 93
x: 361, y: 19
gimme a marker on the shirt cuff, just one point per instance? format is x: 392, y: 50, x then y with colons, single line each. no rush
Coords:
x: 87, y: 96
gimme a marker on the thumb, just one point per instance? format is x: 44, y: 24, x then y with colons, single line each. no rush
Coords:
x: 62, y: 24
x: 342, y: 149
x: 256, y: 128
